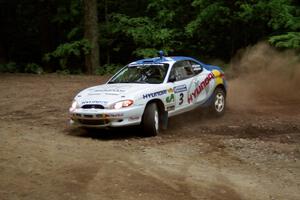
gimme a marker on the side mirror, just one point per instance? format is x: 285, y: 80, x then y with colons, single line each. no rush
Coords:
x: 172, y: 78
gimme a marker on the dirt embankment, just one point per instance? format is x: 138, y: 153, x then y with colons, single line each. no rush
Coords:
x: 253, y: 152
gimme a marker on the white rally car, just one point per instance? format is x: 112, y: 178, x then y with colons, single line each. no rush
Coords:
x: 149, y: 91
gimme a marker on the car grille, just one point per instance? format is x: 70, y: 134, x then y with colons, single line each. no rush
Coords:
x: 92, y: 122
x: 95, y: 106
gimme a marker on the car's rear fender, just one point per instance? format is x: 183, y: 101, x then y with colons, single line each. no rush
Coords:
x: 211, y: 98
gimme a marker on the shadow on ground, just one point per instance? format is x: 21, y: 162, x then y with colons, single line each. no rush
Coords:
x: 106, y: 134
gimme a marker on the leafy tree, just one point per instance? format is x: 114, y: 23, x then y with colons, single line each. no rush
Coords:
x: 67, y: 50
x: 287, y: 40
x: 226, y: 26
x: 153, y: 30
x: 71, y: 47
x: 288, y: 23
x: 56, y: 31
x: 147, y: 34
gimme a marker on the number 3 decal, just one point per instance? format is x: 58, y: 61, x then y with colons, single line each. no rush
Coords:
x: 181, y: 98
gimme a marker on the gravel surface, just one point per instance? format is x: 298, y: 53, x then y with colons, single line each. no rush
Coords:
x: 252, y: 152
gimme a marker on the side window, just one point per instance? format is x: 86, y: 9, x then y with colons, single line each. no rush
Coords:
x: 181, y: 70
x: 197, y: 68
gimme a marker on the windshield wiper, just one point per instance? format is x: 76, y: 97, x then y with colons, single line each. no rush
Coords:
x: 119, y: 82
x: 141, y: 82
x: 112, y: 82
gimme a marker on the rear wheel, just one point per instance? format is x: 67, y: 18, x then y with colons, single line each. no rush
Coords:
x: 150, y: 121
x: 217, y: 108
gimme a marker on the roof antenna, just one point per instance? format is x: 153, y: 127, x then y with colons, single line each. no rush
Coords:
x: 161, y: 54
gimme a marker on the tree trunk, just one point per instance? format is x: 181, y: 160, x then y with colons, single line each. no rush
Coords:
x: 91, y: 34
x: 106, y: 23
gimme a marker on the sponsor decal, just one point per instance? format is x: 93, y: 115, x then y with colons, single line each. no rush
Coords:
x: 170, y: 90
x: 169, y: 108
x: 154, y: 94
x: 111, y: 94
x: 170, y: 98
x: 106, y: 116
x: 134, y: 118
x: 93, y: 102
x: 109, y: 90
x: 199, y: 88
x: 91, y: 94
x: 116, y: 115
x: 180, y: 88
x: 218, y: 76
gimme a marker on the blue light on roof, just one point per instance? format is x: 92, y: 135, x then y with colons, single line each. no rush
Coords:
x: 161, y: 54
x: 157, y: 60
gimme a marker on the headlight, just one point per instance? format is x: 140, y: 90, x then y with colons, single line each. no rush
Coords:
x: 122, y: 104
x: 74, y: 106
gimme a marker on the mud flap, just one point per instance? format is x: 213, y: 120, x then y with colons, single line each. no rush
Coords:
x: 164, y: 120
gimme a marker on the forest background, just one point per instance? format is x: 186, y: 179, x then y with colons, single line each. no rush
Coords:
x: 100, y: 36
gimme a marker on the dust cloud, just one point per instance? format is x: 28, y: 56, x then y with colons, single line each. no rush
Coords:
x: 263, y: 76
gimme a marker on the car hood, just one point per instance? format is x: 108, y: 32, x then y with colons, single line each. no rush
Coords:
x: 110, y: 93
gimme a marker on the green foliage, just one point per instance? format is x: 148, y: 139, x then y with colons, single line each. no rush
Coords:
x: 288, y: 22
x: 108, y: 69
x: 150, y: 52
x: 211, y: 29
x: 74, y: 32
x: 164, y: 11
x: 230, y: 25
x: 146, y: 33
x: 215, y: 12
x: 146, y: 52
x: 67, y: 11
x: 154, y: 29
x: 288, y: 40
x: 64, y: 51
x: 75, y: 48
x: 10, y: 67
x: 70, y: 51
x: 205, y: 29
x: 33, y: 68
x: 281, y: 13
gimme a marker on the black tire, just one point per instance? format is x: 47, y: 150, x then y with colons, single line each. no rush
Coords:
x: 150, y: 121
x: 218, y: 105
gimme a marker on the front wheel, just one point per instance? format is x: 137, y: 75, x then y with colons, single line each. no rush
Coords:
x: 217, y: 108
x: 150, y: 121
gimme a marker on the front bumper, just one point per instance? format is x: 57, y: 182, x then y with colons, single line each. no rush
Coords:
x: 100, y: 118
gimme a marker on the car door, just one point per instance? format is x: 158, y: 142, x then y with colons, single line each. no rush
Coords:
x: 181, y: 75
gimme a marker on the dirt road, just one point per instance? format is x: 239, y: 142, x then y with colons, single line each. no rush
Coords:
x: 253, y: 152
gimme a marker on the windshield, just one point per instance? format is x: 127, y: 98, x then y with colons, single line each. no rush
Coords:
x: 152, y: 73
